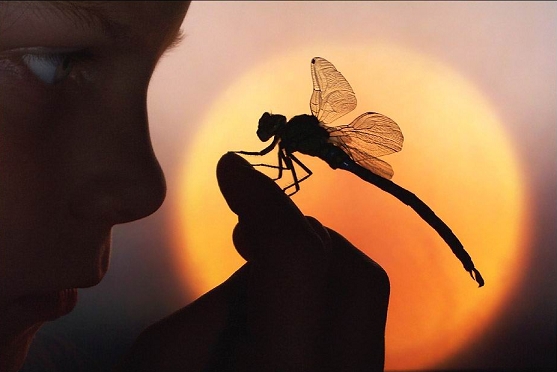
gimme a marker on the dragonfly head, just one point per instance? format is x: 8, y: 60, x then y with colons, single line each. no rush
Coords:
x: 269, y: 125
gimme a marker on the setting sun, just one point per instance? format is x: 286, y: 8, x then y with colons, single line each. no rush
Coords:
x: 456, y: 158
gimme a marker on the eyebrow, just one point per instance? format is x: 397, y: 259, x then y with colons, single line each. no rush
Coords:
x: 92, y: 14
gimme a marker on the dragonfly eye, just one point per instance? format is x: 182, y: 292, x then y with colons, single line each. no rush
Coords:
x: 269, y: 125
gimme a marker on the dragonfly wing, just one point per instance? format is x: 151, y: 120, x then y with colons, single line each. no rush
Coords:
x: 368, y: 137
x: 332, y: 96
x: 371, y: 133
x: 371, y: 163
x: 378, y: 166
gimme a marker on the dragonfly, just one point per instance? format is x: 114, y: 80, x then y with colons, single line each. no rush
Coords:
x: 354, y: 147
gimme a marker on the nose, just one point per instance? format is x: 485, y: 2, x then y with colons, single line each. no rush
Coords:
x: 117, y: 177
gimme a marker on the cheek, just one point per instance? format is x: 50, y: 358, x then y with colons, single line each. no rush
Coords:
x: 40, y: 244
x: 23, y: 105
x: 30, y: 151
x: 27, y: 174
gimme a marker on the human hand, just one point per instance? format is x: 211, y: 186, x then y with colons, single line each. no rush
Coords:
x: 306, y: 300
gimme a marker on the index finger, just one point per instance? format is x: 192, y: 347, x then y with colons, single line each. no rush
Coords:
x: 271, y: 227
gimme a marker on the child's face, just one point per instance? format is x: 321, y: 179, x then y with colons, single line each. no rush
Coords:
x: 75, y: 152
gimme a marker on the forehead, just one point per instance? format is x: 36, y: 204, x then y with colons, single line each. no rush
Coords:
x: 141, y: 21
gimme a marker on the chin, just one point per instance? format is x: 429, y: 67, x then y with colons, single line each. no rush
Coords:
x: 83, y: 269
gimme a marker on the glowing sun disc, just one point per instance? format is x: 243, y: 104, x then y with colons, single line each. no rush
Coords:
x: 456, y: 158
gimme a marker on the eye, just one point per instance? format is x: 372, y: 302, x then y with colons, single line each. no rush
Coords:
x: 49, y: 68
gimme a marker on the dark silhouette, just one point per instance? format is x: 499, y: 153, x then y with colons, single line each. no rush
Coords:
x: 306, y: 300
x: 353, y: 147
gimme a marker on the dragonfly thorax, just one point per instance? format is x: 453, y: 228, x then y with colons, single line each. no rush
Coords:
x: 304, y: 133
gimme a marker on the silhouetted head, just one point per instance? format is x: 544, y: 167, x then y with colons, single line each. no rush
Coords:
x: 75, y: 152
x: 269, y: 125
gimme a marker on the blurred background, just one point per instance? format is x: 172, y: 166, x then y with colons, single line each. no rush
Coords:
x: 473, y: 86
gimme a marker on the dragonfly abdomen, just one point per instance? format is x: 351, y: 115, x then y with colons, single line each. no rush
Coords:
x: 334, y: 156
x: 422, y: 209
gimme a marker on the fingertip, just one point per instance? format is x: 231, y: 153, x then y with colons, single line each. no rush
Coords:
x: 237, y: 179
x: 231, y: 159
x: 228, y: 166
x: 250, y: 193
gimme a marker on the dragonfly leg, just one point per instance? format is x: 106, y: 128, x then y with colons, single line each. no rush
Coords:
x: 280, y: 166
x: 280, y: 156
x: 296, y: 183
x: 288, y: 158
x: 265, y: 165
x: 306, y: 169
x: 266, y: 150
